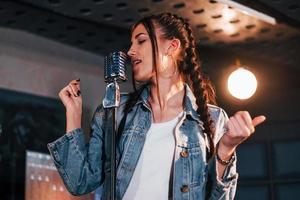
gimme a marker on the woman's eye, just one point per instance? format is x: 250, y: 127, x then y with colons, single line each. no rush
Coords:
x: 141, y: 41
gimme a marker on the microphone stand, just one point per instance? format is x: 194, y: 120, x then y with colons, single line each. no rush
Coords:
x: 111, y: 102
x: 114, y: 71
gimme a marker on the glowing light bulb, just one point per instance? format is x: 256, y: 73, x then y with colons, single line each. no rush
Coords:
x: 242, y: 83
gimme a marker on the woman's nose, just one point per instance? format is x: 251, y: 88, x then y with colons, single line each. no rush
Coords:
x: 131, y: 52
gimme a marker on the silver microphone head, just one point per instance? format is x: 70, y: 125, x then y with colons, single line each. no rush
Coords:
x: 114, y: 67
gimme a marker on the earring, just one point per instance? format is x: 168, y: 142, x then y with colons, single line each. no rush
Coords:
x: 174, y: 66
x: 164, y: 62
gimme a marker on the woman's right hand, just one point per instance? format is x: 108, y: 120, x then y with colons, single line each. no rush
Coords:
x: 72, y: 100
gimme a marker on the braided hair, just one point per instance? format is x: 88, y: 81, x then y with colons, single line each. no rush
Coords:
x: 189, y: 66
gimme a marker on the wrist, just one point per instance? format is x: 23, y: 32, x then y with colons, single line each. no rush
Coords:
x: 73, y: 111
x: 224, y: 152
x: 227, y: 161
x: 73, y: 121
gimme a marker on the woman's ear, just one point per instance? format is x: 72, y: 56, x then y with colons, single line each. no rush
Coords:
x: 174, y: 47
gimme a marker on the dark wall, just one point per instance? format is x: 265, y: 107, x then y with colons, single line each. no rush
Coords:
x: 269, y: 161
x: 28, y: 122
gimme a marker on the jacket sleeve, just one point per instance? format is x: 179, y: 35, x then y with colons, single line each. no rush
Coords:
x: 81, y: 164
x: 225, y: 187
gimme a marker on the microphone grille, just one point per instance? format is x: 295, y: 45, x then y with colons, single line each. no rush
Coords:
x: 114, y: 66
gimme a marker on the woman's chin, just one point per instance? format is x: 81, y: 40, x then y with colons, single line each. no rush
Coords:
x: 140, y: 78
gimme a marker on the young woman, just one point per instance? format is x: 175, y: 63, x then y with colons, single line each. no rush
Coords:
x: 174, y: 143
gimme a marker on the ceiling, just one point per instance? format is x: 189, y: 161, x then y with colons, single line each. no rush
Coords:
x: 102, y: 26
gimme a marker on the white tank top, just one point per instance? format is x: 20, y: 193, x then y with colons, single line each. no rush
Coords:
x: 151, y: 177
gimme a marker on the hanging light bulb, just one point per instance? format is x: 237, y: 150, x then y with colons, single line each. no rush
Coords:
x: 242, y: 83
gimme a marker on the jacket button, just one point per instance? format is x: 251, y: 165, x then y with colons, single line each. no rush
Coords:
x: 184, y: 154
x: 184, y: 188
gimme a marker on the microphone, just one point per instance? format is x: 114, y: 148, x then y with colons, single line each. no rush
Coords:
x: 114, y: 67
x: 114, y: 71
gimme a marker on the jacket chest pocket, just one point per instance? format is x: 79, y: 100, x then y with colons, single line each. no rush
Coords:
x: 194, y: 163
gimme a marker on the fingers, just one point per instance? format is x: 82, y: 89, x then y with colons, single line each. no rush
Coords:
x: 239, y: 127
x: 64, y: 92
x: 74, y: 87
x: 248, y: 120
x: 258, y: 120
x: 231, y: 126
x: 244, y: 129
x: 245, y: 121
x: 72, y: 91
x: 76, y: 82
x: 242, y: 122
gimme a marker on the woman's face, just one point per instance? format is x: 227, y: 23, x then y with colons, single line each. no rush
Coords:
x: 140, y: 54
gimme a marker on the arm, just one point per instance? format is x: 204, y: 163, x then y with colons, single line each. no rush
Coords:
x: 234, y: 131
x: 79, y: 164
x: 222, y: 179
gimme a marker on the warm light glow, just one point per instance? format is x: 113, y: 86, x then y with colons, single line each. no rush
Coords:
x: 229, y: 28
x: 242, y: 83
x: 228, y: 14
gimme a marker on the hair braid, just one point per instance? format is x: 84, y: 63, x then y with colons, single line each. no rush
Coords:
x: 198, y: 84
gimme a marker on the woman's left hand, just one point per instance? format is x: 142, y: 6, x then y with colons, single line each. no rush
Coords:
x: 240, y: 127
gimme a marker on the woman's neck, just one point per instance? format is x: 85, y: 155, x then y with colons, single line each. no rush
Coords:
x: 166, y: 98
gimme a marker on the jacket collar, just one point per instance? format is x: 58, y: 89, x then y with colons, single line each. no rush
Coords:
x: 190, y: 106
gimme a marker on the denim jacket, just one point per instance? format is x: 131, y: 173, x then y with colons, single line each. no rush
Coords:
x: 82, y: 165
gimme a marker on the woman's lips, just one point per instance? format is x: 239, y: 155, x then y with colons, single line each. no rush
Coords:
x: 136, y: 63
